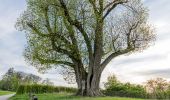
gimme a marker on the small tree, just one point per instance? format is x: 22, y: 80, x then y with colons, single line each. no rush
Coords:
x: 83, y: 35
x: 157, y: 88
x: 111, y: 80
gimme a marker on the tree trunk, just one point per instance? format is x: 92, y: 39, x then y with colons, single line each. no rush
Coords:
x: 93, y: 89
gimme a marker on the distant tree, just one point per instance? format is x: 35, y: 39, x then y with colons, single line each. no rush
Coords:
x: 10, y: 72
x: 111, y: 80
x: 157, y: 88
x: 2, y: 87
x: 47, y: 82
x: 9, y: 80
x: 12, y: 79
x: 31, y: 79
x: 84, y: 35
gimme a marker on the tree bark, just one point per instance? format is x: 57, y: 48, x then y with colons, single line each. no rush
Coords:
x: 93, y: 88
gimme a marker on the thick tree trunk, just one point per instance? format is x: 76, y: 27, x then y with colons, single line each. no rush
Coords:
x: 93, y: 89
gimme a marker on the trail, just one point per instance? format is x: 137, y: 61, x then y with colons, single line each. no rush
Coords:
x: 6, y: 97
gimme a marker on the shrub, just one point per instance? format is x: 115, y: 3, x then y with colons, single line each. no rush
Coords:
x: 38, y: 89
x: 116, y: 88
x: 126, y: 90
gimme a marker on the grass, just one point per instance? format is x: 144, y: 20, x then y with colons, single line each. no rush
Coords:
x: 5, y: 93
x: 63, y: 96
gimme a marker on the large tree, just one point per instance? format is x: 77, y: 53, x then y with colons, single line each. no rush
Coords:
x: 83, y: 35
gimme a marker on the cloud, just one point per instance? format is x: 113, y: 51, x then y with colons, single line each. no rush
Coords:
x: 158, y: 73
x: 139, y: 59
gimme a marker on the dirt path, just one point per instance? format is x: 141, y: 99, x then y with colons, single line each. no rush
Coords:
x: 6, y: 97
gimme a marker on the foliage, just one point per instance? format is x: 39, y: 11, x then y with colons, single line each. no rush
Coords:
x: 158, y: 88
x: 38, y: 89
x: 116, y: 88
x: 9, y: 81
x: 12, y: 79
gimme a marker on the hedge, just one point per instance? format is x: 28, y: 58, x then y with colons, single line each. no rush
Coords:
x: 38, y: 89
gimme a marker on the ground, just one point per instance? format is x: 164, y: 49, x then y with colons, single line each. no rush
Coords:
x: 5, y: 92
x: 63, y: 96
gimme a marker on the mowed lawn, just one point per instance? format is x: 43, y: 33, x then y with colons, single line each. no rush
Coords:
x: 67, y: 97
x: 5, y: 92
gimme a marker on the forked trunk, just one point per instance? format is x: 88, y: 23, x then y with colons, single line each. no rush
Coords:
x: 93, y: 88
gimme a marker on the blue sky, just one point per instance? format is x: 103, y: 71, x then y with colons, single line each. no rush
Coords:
x: 136, y: 68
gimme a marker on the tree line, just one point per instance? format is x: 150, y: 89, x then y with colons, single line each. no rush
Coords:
x: 12, y: 79
x: 157, y: 88
x: 24, y: 83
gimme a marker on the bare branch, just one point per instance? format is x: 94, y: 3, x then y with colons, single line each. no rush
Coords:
x: 113, y: 55
x: 134, y: 26
x: 114, y: 5
x: 108, y: 5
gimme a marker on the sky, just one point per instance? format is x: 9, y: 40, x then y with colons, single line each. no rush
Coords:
x: 135, y: 68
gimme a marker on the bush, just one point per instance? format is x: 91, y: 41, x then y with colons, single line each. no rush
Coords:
x: 116, y: 88
x: 126, y: 90
x: 38, y: 89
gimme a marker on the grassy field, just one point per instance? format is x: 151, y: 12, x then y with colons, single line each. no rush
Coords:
x: 67, y: 97
x: 5, y: 92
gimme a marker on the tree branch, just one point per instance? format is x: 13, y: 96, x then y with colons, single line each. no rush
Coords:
x: 78, y: 25
x: 58, y: 49
x: 113, y: 55
x: 36, y: 31
x: 121, y: 52
x: 47, y: 21
x: 50, y: 61
x: 94, y: 6
x: 101, y: 2
x: 50, y: 30
x: 62, y: 38
x: 73, y: 38
x: 108, y: 5
x: 134, y: 26
x: 114, y: 5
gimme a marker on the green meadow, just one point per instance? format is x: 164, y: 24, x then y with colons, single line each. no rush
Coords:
x: 65, y: 96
